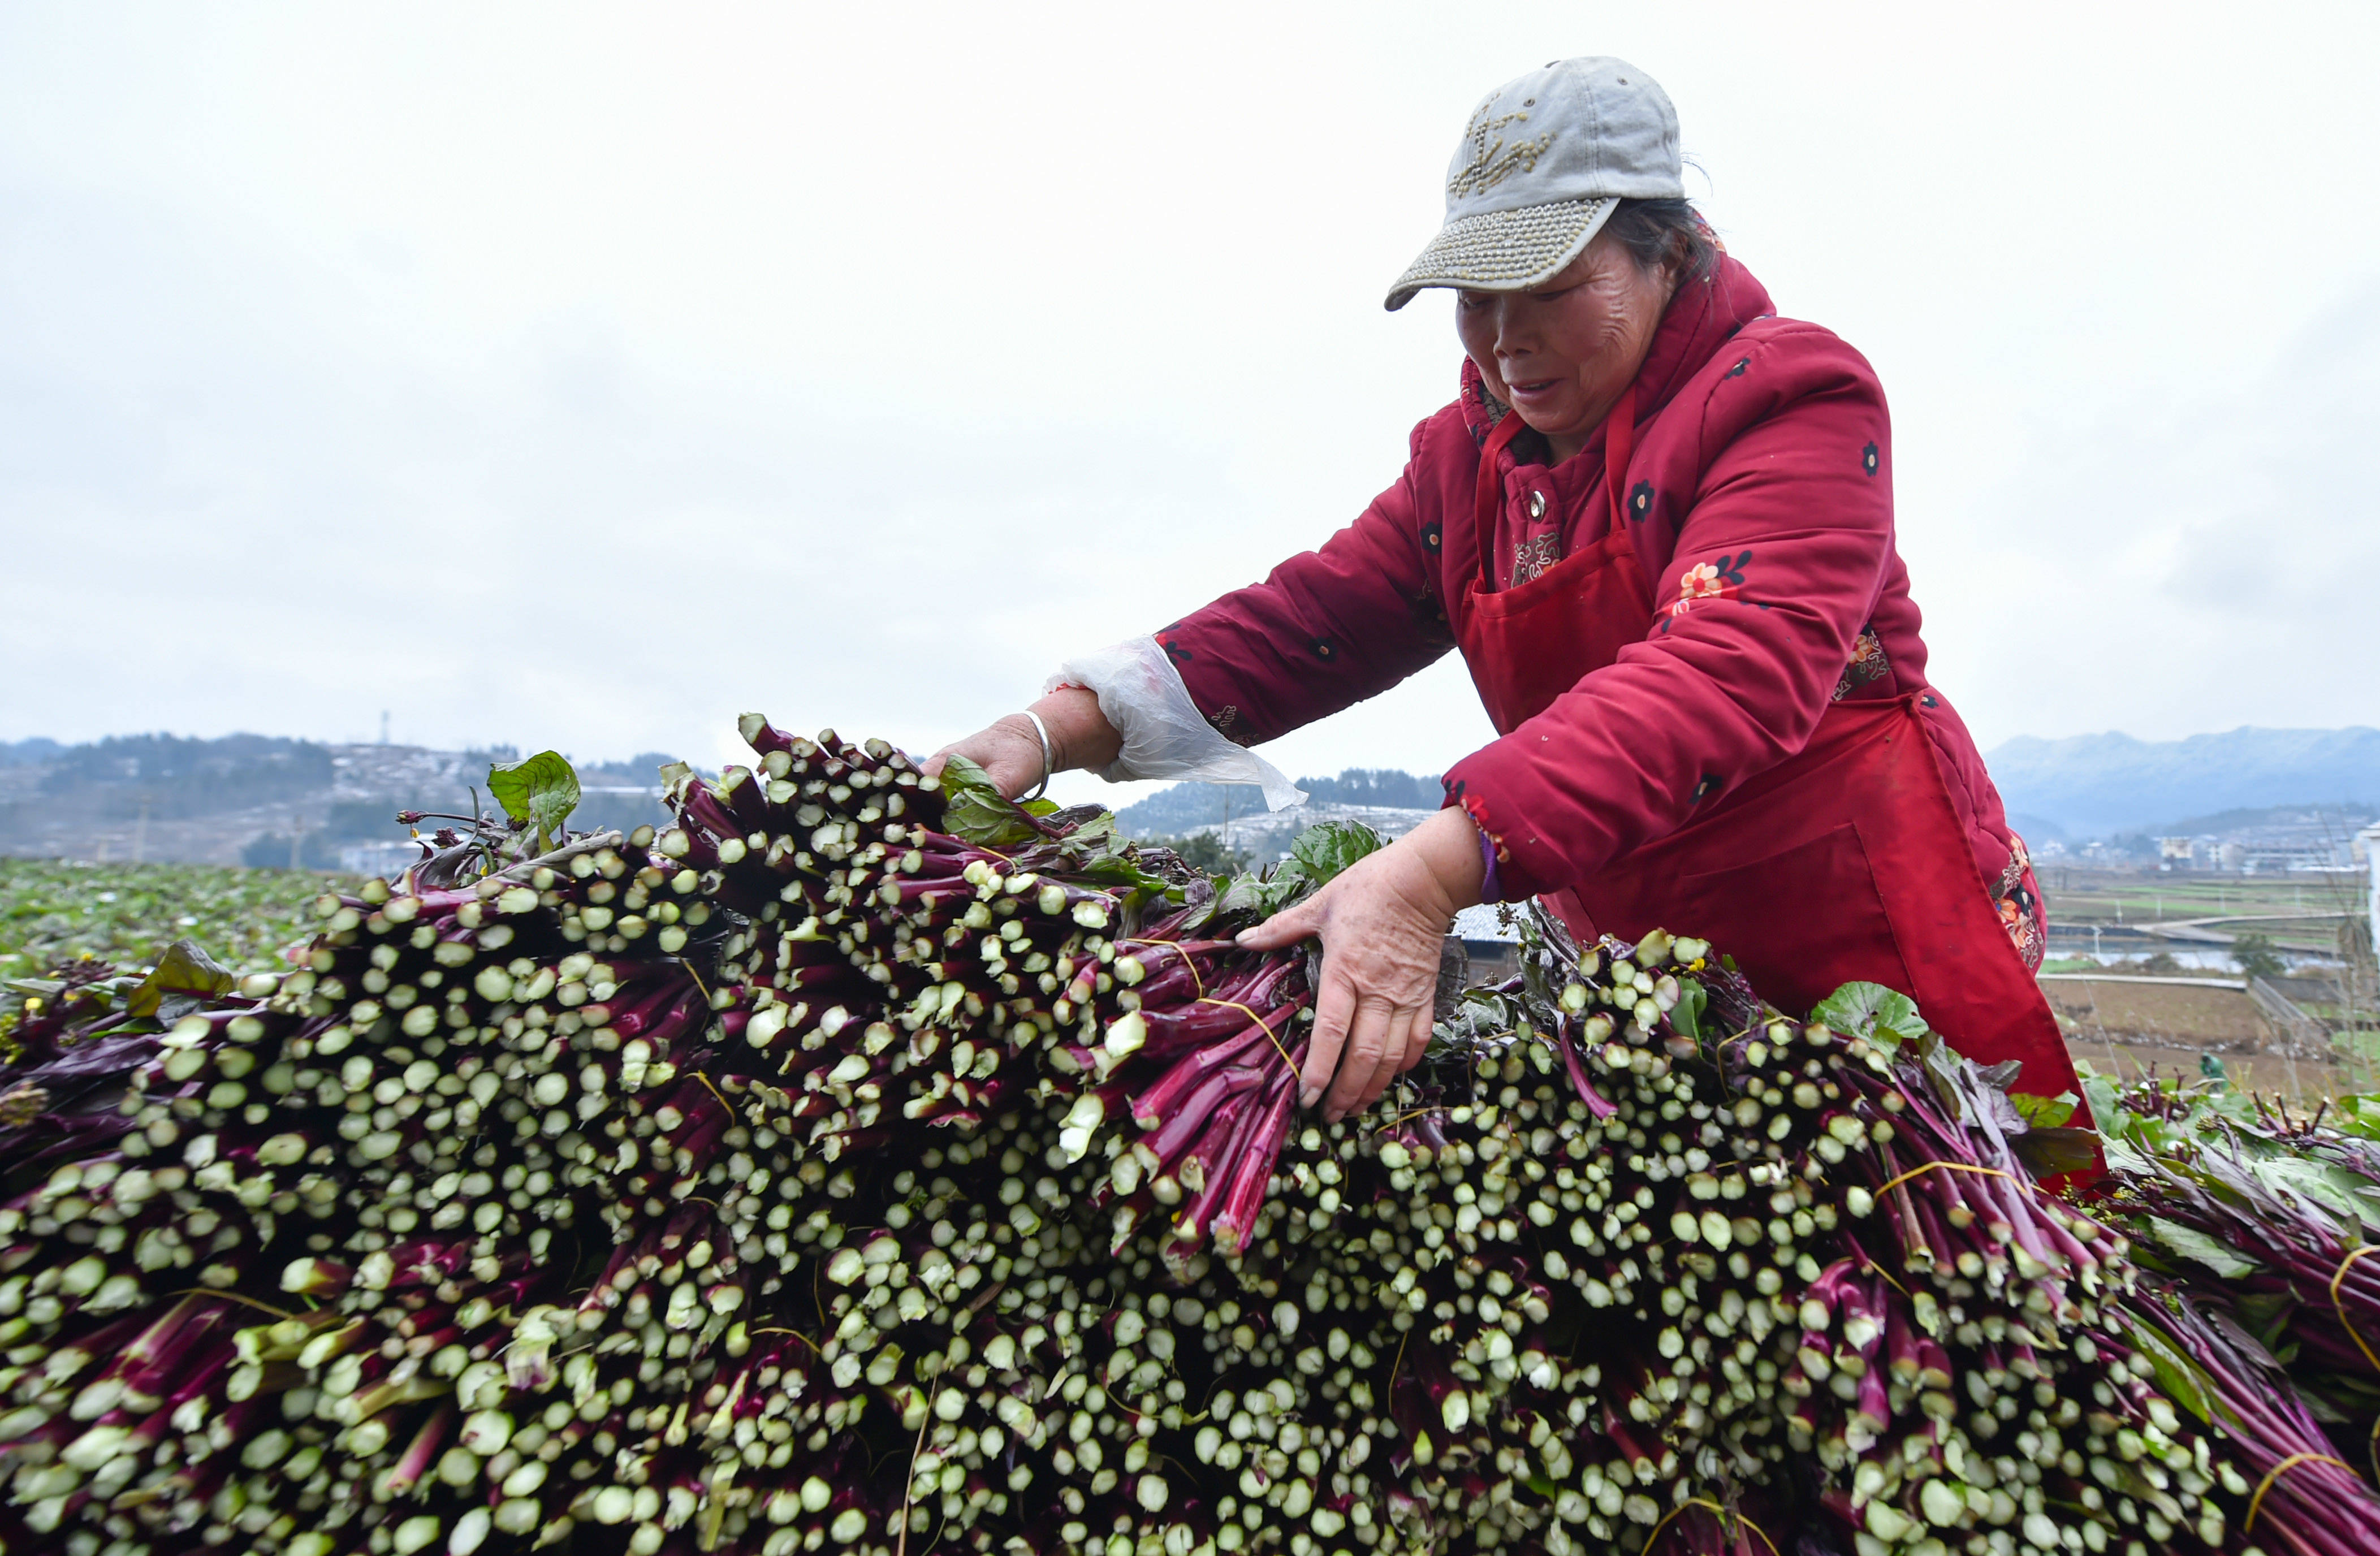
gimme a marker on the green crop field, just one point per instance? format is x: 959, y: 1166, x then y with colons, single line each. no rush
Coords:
x: 127, y: 914
x: 2296, y: 912
x: 2085, y: 896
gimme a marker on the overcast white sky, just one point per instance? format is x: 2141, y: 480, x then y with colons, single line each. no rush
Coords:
x: 582, y: 376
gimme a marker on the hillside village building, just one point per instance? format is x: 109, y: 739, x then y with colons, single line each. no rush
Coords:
x: 2368, y: 842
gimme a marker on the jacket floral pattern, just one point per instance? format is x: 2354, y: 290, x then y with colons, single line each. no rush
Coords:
x: 1722, y: 579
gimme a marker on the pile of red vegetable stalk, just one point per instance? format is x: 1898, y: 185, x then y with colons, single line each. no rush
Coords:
x: 865, y: 1164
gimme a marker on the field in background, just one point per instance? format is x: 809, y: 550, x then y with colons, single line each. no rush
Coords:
x: 2184, y: 932
x: 2302, y: 911
x: 127, y: 914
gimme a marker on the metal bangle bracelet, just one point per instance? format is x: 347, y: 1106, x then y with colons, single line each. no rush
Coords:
x: 1048, y: 762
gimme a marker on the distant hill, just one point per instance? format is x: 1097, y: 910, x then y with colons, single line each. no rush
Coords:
x: 261, y: 799
x: 2098, y: 785
x: 1177, y: 812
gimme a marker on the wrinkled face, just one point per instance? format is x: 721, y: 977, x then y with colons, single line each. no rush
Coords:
x: 1560, y: 354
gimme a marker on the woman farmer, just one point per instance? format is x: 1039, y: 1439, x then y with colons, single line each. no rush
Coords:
x: 1657, y: 522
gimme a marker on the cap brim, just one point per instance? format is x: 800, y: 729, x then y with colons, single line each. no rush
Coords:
x: 1504, y: 250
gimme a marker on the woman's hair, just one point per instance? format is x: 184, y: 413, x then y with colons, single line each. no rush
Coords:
x: 1660, y: 232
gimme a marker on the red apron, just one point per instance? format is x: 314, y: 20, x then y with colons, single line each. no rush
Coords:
x: 1846, y: 861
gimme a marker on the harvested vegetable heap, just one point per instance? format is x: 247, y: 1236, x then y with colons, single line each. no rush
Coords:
x: 865, y: 1164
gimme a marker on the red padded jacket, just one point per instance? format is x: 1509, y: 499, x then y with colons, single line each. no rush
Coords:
x: 1765, y: 494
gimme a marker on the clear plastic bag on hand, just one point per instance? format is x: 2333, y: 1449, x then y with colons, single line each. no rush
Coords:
x: 1141, y: 694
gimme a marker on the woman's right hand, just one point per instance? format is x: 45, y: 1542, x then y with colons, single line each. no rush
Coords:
x: 1009, y: 750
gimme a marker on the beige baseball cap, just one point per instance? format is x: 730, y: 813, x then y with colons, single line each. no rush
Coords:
x: 1545, y: 159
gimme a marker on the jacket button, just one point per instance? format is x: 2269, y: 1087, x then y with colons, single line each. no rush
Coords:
x: 1536, y: 504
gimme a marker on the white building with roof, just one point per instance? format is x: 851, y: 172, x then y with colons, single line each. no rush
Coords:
x: 2368, y: 843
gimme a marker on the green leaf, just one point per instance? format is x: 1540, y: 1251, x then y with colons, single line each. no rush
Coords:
x: 1325, y: 849
x: 2190, y: 1243
x: 2334, y: 1188
x: 1248, y: 894
x: 1687, y: 1015
x: 976, y: 810
x: 2266, y: 1316
x: 2043, y: 1112
x: 1319, y: 853
x: 1100, y: 829
x: 2055, y: 1150
x: 1883, y: 1015
x: 1104, y: 855
x: 537, y: 792
x: 2099, y: 1092
x: 2358, y: 1115
x: 2179, y: 1379
x: 183, y: 970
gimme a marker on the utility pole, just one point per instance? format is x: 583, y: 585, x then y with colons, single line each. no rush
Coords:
x: 297, y: 835
x: 383, y: 726
x: 140, y: 831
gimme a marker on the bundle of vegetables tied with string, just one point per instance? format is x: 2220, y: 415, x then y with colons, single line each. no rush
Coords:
x: 2270, y: 1219
x: 866, y: 1163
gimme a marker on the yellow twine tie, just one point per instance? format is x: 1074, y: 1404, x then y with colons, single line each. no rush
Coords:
x: 909, y: 1497
x: 1891, y: 1183
x: 2274, y: 1474
x: 795, y: 1333
x: 2340, y: 1307
x: 233, y: 1297
x: 714, y: 1092
x: 1196, y: 981
x: 1880, y: 1272
x: 1235, y: 1004
x: 1706, y: 1501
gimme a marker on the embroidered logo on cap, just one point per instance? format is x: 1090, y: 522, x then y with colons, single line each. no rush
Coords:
x: 1492, y: 163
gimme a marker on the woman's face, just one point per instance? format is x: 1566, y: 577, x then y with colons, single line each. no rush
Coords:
x: 1560, y: 354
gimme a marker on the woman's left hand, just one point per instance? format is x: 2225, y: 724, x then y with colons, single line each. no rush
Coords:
x: 1382, y: 924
